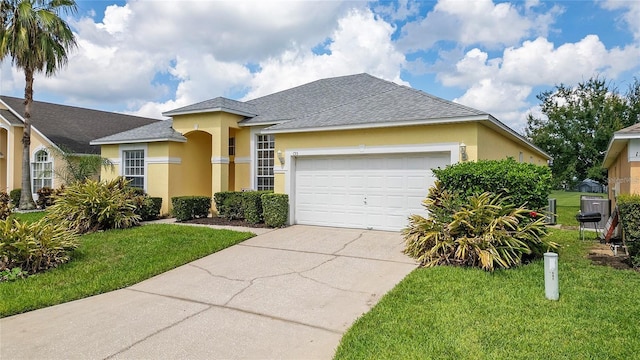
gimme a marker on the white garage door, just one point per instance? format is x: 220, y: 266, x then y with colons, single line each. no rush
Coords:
x: 363, y: 191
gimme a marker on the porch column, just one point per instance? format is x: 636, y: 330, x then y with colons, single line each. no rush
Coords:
x: 220, y: 160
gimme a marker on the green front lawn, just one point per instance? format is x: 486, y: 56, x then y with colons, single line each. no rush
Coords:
x: 457, y: 313
x: 29, y: 216
x: 112, y: 260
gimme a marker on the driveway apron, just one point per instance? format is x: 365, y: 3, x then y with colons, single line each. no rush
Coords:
x: 286, y: 294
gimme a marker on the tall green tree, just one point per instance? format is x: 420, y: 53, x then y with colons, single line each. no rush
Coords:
x: 577, y: 125
x: 36, y: 39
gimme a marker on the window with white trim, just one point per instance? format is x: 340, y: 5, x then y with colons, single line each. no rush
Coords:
x: 41, y: 171
x: 265, y: 145
x: 133, y: 167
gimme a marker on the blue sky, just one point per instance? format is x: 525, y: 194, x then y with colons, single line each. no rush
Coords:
x: 145, y: 57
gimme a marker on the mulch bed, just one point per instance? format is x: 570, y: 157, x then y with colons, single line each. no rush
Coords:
x: 224, y: 222
x: 601, y: 254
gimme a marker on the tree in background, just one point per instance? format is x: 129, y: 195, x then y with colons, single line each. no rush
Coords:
x: 79, y: 167
x: 36, y: 39
x: 577, y: 125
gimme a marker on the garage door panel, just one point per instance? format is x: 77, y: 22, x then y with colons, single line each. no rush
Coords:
x: 363, y: 191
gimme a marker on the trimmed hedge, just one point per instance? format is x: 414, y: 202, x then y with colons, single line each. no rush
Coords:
x: 245, y: 205
x: 525, y: 184
x: 190, y: 207
x: 149, y: 208
x: 629, y: 209
x: 275, y: 209
x: 252, y: 206
x: 229, y: 204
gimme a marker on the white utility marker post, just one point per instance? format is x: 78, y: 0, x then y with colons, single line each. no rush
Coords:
x: 551, y: 275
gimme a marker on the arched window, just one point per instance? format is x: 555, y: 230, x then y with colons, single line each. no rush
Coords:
x: 41, y: 171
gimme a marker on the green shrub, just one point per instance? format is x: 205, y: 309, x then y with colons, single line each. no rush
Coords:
x: 45, y: 197
x: 91, y: 206
x: 15, y: 196
x: 526, y: 184
x: 5, y: 209
x: 252, y: 206
x: 229, y: 204
x: 190, y: 207
x: 484, y: 232
x: 13, y: 274
x: 147, y: 207
x: 275, y: 209
x: 151, y: 208
x: 629, y: 210
x: 35, y: 246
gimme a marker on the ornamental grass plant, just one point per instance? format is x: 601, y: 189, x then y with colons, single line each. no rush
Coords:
x: 485, y: 231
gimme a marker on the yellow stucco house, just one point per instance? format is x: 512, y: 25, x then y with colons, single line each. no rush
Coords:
x: 351, y: 151
x: 622, y: 160
x: 54, y: 126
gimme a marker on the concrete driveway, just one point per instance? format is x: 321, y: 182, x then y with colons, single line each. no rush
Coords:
x: 287, y: 294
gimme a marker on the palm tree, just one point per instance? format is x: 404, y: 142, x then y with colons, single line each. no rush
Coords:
x: 37, y: 40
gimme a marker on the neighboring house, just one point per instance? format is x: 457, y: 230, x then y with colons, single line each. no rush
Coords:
x: 622, y: 160
x: 61, y: 127
x: 590, y: 186
x: 351, y: 151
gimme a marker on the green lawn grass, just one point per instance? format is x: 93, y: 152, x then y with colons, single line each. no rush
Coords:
x: 568, y: 205
x: 112, y: 260
x: 458, y: 313
x: 29, y: 216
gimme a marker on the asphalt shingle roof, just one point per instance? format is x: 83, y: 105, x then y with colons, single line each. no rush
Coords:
x: 155, y: 131
x: 216, y: 103
x: 350, y: 100
x: 399, y: 104
x: 317, y: 96
x: 72, y: 128
x: 10, y: 117
x: 630, y: 130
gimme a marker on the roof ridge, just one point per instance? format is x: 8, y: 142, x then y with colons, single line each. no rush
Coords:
x: 309, y: 83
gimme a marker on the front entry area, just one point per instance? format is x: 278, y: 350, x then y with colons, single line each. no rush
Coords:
x: 363, y: 191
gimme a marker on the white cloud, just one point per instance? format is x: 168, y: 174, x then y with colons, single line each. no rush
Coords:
x: 361, y: 43
x: 145, y: 52
x: 116, y: 19
x: 501, y: 85
x: 475, y: 22
x: 631, y: 16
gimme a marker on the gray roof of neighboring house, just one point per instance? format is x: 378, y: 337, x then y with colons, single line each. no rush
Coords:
x: 618, y: 141
x: 10, y: 117
x: 630, y: 130
x: 157, y: 131
x: 72, y: 128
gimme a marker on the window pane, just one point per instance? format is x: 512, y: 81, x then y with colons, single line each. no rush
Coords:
x: 41, y: 171
x: 133, y: 161
x: 264, y: 161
